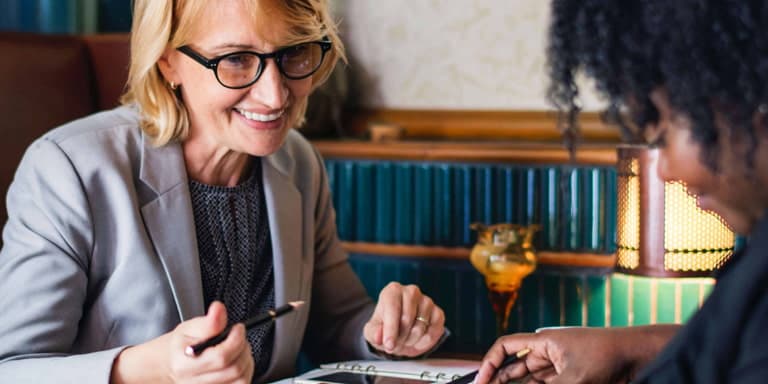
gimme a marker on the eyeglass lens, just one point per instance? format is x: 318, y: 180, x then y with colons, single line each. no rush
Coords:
x: 296, y: 62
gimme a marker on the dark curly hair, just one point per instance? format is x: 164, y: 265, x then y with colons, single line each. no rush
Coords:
x: 711, y: 56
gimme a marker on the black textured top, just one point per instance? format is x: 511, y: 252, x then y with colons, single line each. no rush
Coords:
x: 233, y: 239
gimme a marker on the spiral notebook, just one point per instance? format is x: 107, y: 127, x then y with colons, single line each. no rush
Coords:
x: 389, y: 372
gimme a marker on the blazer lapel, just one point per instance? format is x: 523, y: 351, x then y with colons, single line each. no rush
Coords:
x: 284, y: 204
x: 171, y: 225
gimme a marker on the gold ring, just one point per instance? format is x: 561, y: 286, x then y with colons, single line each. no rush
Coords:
x: 423, y: 320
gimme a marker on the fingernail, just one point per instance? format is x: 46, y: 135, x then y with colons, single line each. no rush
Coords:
x: 389, y: 344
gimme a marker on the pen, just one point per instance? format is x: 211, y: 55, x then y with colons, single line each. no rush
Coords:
x: 272, y: 314
x: 469, y: 377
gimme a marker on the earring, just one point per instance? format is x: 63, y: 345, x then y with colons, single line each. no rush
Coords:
x: 173, y: 85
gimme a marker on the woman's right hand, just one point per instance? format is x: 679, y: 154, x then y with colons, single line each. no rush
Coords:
x: 162, y: 360
x: 576, y: 354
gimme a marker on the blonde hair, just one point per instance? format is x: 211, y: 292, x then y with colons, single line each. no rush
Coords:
x: 160, y: 24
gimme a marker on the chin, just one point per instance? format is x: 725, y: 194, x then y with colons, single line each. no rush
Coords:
x: 267, y: 146
x: 738, y: 223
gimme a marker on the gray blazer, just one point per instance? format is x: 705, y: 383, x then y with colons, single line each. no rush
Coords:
x: 100, y: 253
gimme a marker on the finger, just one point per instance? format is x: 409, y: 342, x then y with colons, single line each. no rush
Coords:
x: 374, y: 332
x: 512, y: 372
x: 491, y: 361
x: 549, y: 375
x: 225, y: 354
x: 434, y: 331
x: 411, y: 301
x: 240, y: 370
x: 391, y: 302
x: 417, y: 331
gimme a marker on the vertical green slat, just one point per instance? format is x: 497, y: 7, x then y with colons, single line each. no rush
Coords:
x: 576, y: 211
x: 404, y: 203
x: 596, y: 301
x: 665, y: 299
x: 550, y: 186
x: 385, y: 203
x: 57, y: 16
x: 574, y: 295
x: 619, y: 300
x: 591, y: 196
x: 641, y: 296
x: 346, y: 198
x: 531, y: 199
x: 504, y: 195
x: 689, y: 300
x: 365, y: 200
x: 467, y: 293
x: 550, y: 300
x: 484, y: 186
x: 424, y: 196
x: 89, y: 16
x: 443, y: 203
x: 529, y: 300
x: 462, y: 209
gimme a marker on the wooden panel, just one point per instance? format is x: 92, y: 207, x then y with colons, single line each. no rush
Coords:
x: 493, y: 152
x: 478, y: 124
x: 572, y: 259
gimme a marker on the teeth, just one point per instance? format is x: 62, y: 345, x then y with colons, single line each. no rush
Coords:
x: 260, y: 117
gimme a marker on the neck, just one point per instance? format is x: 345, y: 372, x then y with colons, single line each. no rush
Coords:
x: 217, y: 166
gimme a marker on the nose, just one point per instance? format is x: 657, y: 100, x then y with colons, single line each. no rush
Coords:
x: 270, y: 89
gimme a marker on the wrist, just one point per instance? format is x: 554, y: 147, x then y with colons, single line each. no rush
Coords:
x: 139, y: 364
x: 639, y: 345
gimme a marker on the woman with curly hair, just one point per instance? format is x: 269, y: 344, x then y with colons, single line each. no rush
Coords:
x: 691, y: 78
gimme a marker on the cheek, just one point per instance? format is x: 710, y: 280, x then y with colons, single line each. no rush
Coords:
x: 300, y: 88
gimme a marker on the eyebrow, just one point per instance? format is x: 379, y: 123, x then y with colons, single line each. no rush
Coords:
x: 231, y: 46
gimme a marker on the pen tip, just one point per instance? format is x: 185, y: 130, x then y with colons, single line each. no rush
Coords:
x: 296, y: 304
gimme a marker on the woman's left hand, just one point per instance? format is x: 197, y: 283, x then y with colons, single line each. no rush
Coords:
x: 405, y: 321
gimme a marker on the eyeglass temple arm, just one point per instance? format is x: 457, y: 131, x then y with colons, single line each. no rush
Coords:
x: 195, y: 56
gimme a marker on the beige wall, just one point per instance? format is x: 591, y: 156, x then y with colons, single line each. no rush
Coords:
x: 448, y: 54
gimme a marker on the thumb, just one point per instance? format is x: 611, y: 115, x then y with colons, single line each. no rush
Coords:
x: 216, y: 318
x: 204, y: 327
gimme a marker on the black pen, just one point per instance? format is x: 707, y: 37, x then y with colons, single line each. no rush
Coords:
x: 469, y: 377
x: 272, y: 314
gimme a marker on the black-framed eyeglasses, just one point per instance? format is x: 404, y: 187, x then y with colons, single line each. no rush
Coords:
x: 242, y: 68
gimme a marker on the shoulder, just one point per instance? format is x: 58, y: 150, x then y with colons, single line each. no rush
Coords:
x: 119, y: 124
x: 104, y: 137
x: 86, y: 150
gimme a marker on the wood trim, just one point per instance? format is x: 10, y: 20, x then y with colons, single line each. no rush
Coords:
x: 478, y: 124
x: 567, y: 259
x: 494, y: 152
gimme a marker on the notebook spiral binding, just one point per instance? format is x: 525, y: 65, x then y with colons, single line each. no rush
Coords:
x: 425, y: 375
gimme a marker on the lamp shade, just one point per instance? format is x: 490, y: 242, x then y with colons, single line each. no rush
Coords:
x: 661, y: 232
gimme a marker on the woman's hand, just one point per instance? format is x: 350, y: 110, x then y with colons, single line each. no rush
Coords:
x: 163, y: 360
x: 576, y: 354
x: 405, y: 321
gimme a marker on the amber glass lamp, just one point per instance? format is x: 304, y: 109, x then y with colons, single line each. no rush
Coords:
x: 661, y: 232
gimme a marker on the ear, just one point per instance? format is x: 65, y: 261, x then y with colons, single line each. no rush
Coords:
x: 167, y: 65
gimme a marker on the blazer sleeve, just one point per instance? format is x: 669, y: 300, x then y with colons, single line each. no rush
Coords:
x: 340, y: 305
x: 44, y: 262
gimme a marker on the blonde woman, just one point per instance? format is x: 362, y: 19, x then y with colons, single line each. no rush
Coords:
x: 137, y: 232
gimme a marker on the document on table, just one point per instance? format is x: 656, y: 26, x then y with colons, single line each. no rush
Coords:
x: 389, y: 372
